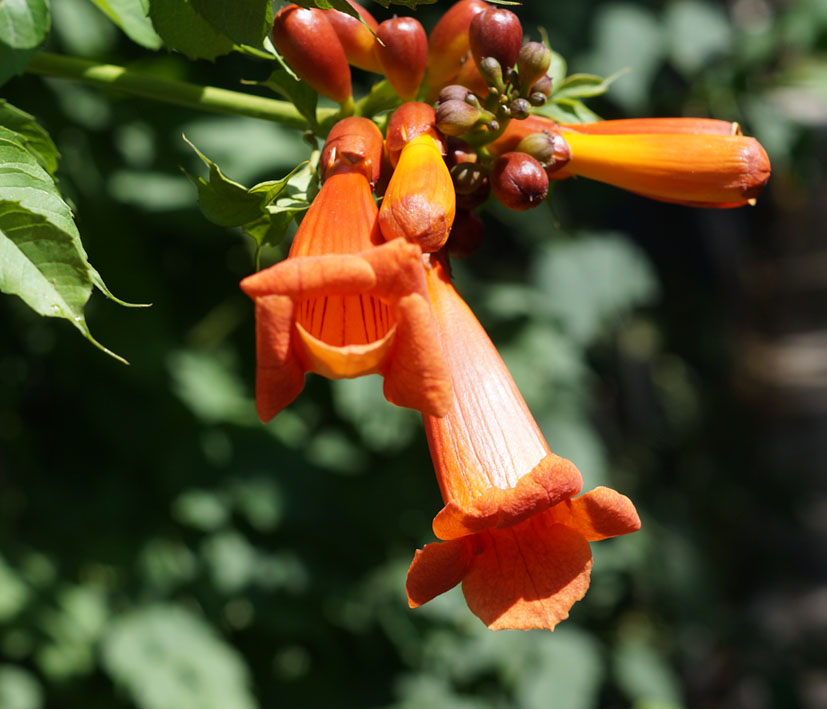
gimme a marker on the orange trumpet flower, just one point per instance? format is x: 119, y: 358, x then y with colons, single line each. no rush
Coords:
x: 697, y: 162
x: 515, y: 538
x: 343, y: 304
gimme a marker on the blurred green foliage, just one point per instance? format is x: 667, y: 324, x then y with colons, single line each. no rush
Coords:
x: 161, y: 549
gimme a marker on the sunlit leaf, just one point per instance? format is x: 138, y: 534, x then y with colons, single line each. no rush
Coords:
x: 31, y: 135
x: 42, y: 259
x: 23, y: 27
x: 295, y: 90
x: 131, y: 17
x: 584, y: 85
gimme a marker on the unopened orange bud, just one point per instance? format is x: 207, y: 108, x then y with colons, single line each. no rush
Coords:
x: 419, y: 204
x: 308, y: 43
x: 686, y: 126
x: 357, y: 40
x: 407, y: 122
x: 403, y: 54
x: 353, y: 145
x: 697, y: 170
x: 448, y: 44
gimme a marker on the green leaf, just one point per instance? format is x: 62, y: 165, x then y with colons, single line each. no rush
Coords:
x: 184, y: 30
x: 23, y: 27
x: 584, y: 85
x: 228, y: 203
x: 243, y: 21
x: 557, y: 69
x: 568, y: 110
x: 165, y: 656
x: 292, y: 88
x: 42, y: 259
x: 130, y: 16
x: 34, y: 138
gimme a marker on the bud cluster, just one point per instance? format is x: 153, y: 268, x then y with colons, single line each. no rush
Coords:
x: 475, y: 135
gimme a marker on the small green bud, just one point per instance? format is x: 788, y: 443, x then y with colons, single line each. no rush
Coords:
x: 533, y: 62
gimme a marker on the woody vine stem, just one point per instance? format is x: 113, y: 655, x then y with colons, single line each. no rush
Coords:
x: 182, y: 93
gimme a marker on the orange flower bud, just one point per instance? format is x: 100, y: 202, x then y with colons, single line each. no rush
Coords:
x: 518, y: 181
x: 357, y: 40
x: 686, y: 126
x: 403, y: 54
x: 448, y: 44
x: 407, y: 122
x: 419, y: 204
x: 308, y: 43
x: 696, y: 170
x: 353, y: 143
x: 496, y: 33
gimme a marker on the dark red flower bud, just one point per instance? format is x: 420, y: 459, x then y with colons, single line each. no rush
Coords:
x: 519, y: 181
x: 533, y: 62
x: 496, y: 33
x: 471, y: 184
x: 550, y: 150
x: 309, y: 44
x: 466, y: 234
x: 403, y: 54
x: 357, y: 40
x: 448, y: 44
x: 456, y: 117
x: 407, y: 122
x: 353, y: 145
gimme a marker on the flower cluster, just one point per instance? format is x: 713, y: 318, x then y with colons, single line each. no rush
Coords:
x: 367, y: 290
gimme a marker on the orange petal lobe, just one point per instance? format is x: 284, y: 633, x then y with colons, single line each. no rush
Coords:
x: 687, y: 126
x: 599, y: 514
x: 527, y: 576
x: 279, y: 373
x: 415, y: 375
x: 551, y: 481
x: 436, y: 569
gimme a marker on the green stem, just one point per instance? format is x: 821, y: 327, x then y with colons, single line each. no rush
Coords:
x: 182, y: 93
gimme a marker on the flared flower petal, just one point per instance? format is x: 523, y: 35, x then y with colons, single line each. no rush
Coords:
x: 513, y: 535
x: 529, y: 575
x: 344, y: 303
